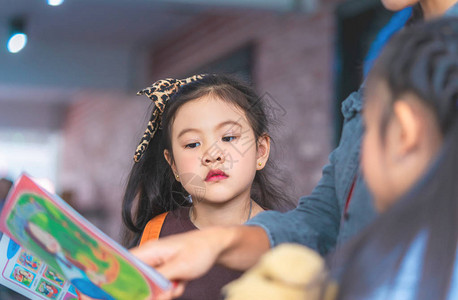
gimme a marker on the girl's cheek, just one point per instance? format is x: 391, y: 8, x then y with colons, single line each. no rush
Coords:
x: 189, y: 160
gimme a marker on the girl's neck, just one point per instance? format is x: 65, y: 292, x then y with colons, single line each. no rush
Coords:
x: 233, y: 212
x: 435, y: 8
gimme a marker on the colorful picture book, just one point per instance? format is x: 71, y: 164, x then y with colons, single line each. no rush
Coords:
x: 62, y: 255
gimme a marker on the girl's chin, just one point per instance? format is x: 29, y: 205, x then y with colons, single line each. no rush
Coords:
x: 212, y: 198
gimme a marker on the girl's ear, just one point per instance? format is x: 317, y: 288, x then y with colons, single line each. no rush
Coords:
x: 409, y: 126
x: 419, y: 131
x: 168, y: 158
x: 263, y: 151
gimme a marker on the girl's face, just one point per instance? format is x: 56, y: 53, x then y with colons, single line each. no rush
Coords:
x: 214, y: 150
x: 396, y: 5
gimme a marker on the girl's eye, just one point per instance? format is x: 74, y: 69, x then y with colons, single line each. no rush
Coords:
x: 192, y: 145
x: 228, y: 138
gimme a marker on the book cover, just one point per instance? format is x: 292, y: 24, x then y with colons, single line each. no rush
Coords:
x: 53, y: 233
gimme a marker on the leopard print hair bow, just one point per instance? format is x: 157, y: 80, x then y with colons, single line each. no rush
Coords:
x: 160, y: 93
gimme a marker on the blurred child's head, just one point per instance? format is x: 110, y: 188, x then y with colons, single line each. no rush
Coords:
x: 411, y: 104
x: 410, y: 163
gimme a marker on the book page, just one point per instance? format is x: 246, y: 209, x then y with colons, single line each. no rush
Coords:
x: 92, y: 262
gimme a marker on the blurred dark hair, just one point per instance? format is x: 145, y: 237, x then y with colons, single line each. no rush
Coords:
x: 423, y: 60
x: 152, y: 188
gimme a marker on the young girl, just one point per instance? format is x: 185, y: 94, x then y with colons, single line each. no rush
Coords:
x: 411, y: 165
x: 201, y: 162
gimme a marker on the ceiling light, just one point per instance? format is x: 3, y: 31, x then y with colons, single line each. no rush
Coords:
x: 18, y: 37
x: 55, y: 2
x: 17, y: 42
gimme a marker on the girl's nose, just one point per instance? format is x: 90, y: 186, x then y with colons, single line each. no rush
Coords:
x: 212, y: 155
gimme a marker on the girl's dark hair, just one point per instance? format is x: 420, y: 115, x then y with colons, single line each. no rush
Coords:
x: 422, y: 60
x: 152, y: 188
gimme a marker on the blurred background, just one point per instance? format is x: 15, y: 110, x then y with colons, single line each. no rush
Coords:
x: 69, y: 115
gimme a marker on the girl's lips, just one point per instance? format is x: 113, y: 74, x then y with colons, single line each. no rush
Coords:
x: 216, y: 175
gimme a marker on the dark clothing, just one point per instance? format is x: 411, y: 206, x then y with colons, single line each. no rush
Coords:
x: 209, y: 286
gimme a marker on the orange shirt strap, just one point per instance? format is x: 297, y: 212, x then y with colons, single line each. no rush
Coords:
x: 153, y: 228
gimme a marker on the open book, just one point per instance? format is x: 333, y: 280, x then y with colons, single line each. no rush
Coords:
x: 62, y: 255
